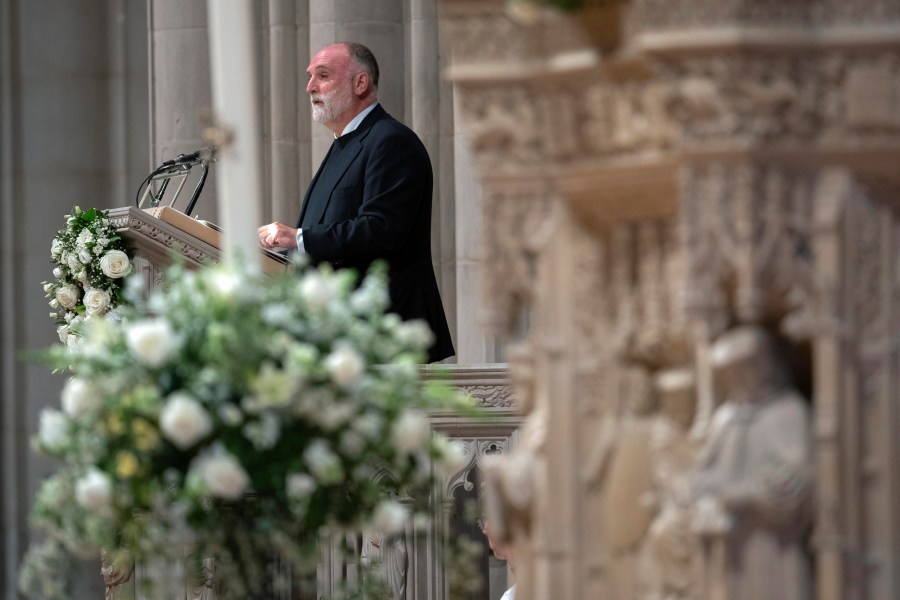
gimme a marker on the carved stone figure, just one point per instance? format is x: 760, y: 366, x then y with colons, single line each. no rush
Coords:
x: 753, y: 483
x: 669, y: 564
x: 391, y: 553
x: 115, y: 575
x: 629, y: 481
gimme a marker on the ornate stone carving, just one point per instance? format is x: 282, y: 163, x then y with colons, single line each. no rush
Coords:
x: 489, y: 395
x: 669, y: 565
x: 753, y: 484
x: 511, y: 277
x: 748, y: 245
x: 115, y: 576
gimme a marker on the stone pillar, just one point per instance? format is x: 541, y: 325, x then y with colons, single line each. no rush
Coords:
x: 56, y: 143
x: 431, y: 117
x: 287, y: 175
x: 380, y: 26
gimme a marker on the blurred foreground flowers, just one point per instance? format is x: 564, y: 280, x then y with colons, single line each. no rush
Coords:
x: 240, y: 415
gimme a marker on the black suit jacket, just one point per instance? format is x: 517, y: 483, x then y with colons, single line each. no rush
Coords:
x: 378, y: 206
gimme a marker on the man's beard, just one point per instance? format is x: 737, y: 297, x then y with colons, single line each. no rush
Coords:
x: 334, y: 104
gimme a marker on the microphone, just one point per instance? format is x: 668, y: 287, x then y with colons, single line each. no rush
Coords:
x: 207, y: 154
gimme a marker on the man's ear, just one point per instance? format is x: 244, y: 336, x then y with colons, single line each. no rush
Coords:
x: 361, y: 84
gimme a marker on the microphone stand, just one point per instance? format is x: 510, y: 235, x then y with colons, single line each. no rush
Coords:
x: 197, y: 190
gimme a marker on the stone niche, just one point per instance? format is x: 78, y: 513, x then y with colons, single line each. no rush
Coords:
x: 696, y: 211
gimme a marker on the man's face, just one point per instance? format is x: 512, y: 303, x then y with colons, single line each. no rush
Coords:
x: 330, y: 84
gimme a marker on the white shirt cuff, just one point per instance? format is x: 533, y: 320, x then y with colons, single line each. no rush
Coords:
x: 300, y: 246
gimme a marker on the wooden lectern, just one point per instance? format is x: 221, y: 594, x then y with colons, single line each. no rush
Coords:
x: 157, y: 235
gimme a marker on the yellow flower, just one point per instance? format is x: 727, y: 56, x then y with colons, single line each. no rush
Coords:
x: 114, y: 424
x: 126, y: 464
x: 145, y: 436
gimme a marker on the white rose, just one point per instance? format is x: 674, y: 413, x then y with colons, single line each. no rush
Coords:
x: 352, y: 443
x: 411, y: 431
x: 63, y: 332
x: 84, y: 237
x: 317, y: 290
x: 345, y: 366
x: 152, y: 341
x: 183, y: 421
x: 300, y: 485
x: 454, y: 457
x: 58, y: 272
x: 323, y: 463
x: 96, y: 301
x: 68, y: 295
x: 53, y: 428
x: 389, y: 517
x: 85, y: 256
x: 72, y: 262
x: 55, y: 247
x: 94, y: 491
x: 79, y: 398
x: 223, y: 475
x: 368, y: 425
x: 415, y: 333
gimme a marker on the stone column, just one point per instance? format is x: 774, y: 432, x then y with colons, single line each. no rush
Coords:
x: 287, y: 175
x: 180, y: 89
x: 379, y: 24
x: 431, y: 117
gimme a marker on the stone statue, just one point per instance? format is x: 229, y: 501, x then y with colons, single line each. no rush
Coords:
x: 668, y: 563
x: 753, y: 483
x: 115, y: 575
x: 392, y: 555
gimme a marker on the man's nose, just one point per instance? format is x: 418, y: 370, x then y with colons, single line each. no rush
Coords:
x: 310, y: 86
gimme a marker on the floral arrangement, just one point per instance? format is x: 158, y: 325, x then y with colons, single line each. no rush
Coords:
x: 241, y: 415
x: 90, y: 261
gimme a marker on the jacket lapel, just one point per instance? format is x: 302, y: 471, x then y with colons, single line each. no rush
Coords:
x: 328, y: 175
x: 312, y: 184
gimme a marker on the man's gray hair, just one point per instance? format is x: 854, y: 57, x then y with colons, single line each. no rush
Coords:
x: 365, y: 59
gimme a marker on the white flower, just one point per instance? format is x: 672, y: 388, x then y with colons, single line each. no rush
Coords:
x: 96, y: 301
x: 415, y: 333
x: 63, y: 332
x: 411, y: 431
x: 345, y: 366
x: 151, y: 341
x: 454, y: 457
x: 58, y: 272
x: 184, y: 421
x: 85, y: 237
x: 55, y: 247
x: 94, y: 491
x: 53, y: 429
x: 68, y: 295
x: 300, y: 485
x: 72, y: 262
x: 389, y: 517
x: 352, y: 443
x: 115, y: 264
x: 318, y: 290
x: 79, y: 398
x: 371, y: 296
x: 334, y: 414
x: 85, y: 256
x: 323, y: 463
x: 223, y: 474
x: 368, y: 425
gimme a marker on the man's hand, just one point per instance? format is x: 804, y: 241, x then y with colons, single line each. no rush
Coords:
x: 278, y: 236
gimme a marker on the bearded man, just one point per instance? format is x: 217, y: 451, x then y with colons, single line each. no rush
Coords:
x: 371, y: 197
